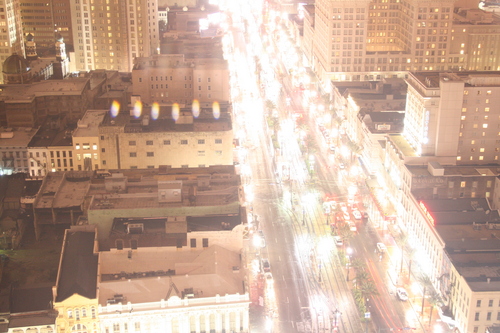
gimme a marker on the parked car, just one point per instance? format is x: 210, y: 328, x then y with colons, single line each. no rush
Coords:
x: 356, y: 214
x: 347, y: 217
x: 338, y: 240
x: 341, y: 166
x: 259, y: 240
x: 402, y: 294
x: 266, y: 266
x: 352, y: 226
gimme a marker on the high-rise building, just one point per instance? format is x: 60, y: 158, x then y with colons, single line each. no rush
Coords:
x: 452, y: 116
x: 10, y: 30
x: 110, y: 34
x: 45, y: 19
x: 368, y: 40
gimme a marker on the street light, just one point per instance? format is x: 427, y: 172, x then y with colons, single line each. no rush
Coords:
x: 349, y: 252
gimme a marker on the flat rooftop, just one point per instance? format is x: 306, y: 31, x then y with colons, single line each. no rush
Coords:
x: 63, y: 189
x: 148, y: 274
x: 16, y: 137
x: 164, y: 122
x: 26, y: 92
x: 142, y: 188
x: 89, y: 124
x: 460, y: 170
x: 402, y: 144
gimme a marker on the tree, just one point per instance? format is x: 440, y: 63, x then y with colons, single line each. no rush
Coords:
x: 426, y: 282
x: 402, y: 240
x: 368, y: 288
x: 434, y: 300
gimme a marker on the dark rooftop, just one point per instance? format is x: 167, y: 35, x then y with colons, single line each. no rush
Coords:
x: 78, y: 272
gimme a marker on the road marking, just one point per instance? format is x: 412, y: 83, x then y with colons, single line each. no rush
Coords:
x: 279, y: 258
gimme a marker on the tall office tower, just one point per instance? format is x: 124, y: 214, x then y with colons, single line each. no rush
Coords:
x: 11, y: 35
x: 362, y: 40
x: 109, y: 34
x: 44, y: 19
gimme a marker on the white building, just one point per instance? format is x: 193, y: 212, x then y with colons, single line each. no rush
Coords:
x: 172, y: 289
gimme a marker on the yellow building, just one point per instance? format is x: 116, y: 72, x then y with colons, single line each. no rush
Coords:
x: 75, y: 293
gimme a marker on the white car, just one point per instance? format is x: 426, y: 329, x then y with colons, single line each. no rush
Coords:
x: 343, y: 207
x: 347, y: 217
x: 338, y: 240
x: 381, y: 248
x: 402, y: 294
x: 356, y: 214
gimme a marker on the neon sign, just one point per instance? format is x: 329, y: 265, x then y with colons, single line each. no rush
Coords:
x: 426, y: 213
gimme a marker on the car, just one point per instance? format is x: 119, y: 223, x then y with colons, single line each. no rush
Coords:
x: 365, y: 215
x: 338, y: 240
x: 269, y: 277
x: 402, y: 294
x: 266, y: 266
x: 343, y: 207
x: 352, y: 226
x: 259, y: 240
x: 332, y: 148
x: 356, y: 214
x: 381, y: 248
x: 347, y: 217
x: 341, y: 166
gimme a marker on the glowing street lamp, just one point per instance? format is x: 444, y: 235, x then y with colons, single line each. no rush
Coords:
x: 349, y: 252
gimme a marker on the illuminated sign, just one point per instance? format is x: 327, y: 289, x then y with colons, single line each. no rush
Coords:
x: 426, y: 213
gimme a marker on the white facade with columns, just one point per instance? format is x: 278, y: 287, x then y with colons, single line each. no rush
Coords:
x: 211, y: 314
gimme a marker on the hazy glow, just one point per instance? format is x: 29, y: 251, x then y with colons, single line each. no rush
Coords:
x: 196, y: 108
x: 155, y: 111
x: 216, y: 109
x: 175, y: 111
x: 137, y: 109
x: 115, y: 109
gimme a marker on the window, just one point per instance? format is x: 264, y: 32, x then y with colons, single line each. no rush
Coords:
x: 462, y: 184
x: 149, y: 143
x: 133, y: 154
x: 485, y: 125
x: 184, y: 166
x: 184, y: 142
x: 131, y: 143
x: 478, y: 302
x: 92, y: 312
x: 84, y: 312
x: 490, y: 303
x: 218, y: 153
x: 133, y: 244
x: 116, y: 327
x: 201, y: 141
x: 70, y: 313
x: 201, y: 153
x: 451, y: 184
x: 119, y: 244
x: 488, y: 316
x: 77, y: 314
x: 138, y: 324
x: 150, y: 154
x: 166, y: 142
x: 103, y: 150
x: 150, y: 167
x: 498, y: 315
x: 476, y: 316
x: 218, y: 141
x: 205, y: 242
x: 102, y: 137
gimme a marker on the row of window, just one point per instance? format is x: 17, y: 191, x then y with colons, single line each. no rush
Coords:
x: 488, y: 316
x: 134, y: 245
x: 76, y: 312
x: 168, y: 142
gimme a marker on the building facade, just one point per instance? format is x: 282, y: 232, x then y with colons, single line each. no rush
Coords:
x: 109, y: 35
x: 168, y: 79
x: 370, y: 40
